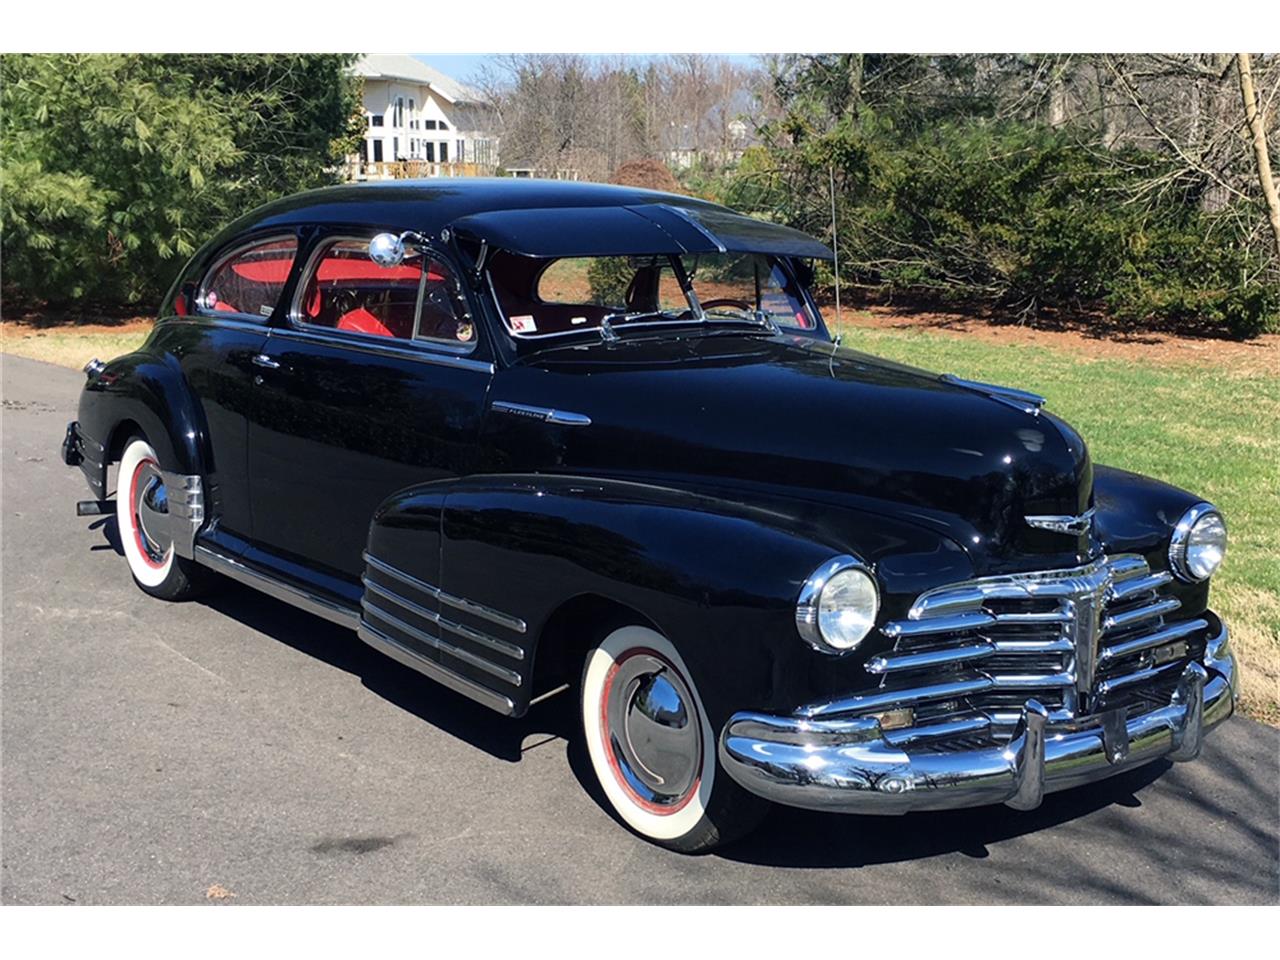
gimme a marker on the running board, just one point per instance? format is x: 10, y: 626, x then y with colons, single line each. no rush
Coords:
x: 330, y: 610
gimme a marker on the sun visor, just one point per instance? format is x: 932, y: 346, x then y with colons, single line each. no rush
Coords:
x: 639, y: 230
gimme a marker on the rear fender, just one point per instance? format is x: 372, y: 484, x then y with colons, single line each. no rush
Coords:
x: 148, y: 393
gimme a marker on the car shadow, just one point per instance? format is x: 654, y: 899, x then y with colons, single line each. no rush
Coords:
x: 503, y: 737
x: 801, y: 838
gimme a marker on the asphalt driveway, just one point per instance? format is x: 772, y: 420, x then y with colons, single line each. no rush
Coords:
x: 150, y: 752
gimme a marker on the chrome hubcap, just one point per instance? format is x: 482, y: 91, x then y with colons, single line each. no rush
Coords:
x: 151, y: 507
x: 653, y: 730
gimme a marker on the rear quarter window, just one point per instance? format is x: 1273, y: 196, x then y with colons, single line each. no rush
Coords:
x: 248, y: 281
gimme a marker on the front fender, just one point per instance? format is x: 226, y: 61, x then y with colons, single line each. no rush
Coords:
x: 719, y: 578
x: 1136, y: 514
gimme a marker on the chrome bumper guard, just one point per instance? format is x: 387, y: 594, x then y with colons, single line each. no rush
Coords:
x: 849, y: 766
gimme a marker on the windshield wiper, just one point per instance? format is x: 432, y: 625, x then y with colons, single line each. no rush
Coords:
x: 608, y: 320
x: 758, y: 317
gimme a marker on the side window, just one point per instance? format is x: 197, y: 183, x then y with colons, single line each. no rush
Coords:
x: 248, y: 281
x: 418, y: 299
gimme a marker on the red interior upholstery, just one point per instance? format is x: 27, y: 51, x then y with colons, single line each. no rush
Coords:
x: 361, y: 320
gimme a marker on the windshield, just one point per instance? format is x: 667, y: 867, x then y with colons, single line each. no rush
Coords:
x: 541, y: 297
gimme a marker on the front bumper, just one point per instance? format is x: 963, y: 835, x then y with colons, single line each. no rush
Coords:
x: 849, y: 766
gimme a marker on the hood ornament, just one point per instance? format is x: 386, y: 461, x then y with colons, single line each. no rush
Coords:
x: 1022, y: 400
x: 1063, y: 523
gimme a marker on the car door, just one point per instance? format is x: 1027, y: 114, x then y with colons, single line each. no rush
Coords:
x: 376, y: 382
x: 229, y: 305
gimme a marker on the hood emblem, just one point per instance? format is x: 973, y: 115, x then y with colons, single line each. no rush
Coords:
x: 1059, y: 523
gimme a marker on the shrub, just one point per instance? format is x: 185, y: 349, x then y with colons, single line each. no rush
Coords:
x: 1015, y: 216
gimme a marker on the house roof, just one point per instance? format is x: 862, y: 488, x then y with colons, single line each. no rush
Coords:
x: 401, y: 66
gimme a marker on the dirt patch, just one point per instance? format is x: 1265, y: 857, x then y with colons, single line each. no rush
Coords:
x: 34, y: 325
x: 1260, y: 355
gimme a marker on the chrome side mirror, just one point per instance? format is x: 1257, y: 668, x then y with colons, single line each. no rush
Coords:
x: 386, y: 250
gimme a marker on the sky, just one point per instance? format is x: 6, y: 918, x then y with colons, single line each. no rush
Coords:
x: 464, y: 66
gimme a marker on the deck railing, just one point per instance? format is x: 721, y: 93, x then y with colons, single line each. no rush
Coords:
x: 412, y: 170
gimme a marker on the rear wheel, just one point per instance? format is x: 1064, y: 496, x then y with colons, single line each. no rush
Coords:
x: 653, y: 749
x: 142, y: 516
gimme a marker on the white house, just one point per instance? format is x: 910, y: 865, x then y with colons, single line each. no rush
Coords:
x: 424, y: 122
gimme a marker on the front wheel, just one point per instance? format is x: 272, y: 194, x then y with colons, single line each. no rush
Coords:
x: 653, y: 749
x: 142, y: 517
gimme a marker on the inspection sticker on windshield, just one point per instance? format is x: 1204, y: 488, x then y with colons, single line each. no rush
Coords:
x: 524, y: 324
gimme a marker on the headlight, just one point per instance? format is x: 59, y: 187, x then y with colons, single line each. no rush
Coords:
x: 1198, y: 544
x: 837, y: 606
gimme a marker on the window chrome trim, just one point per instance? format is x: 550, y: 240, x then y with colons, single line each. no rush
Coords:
x: 383, y: 346
x: 456, y: 351
x: 256, y: 319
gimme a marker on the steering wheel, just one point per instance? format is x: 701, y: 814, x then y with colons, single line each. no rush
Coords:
x: 728, y: 302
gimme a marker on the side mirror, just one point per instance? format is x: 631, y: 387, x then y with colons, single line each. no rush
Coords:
x: 386, y: 250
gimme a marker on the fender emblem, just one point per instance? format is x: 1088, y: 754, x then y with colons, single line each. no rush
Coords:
x: 1058, y: 523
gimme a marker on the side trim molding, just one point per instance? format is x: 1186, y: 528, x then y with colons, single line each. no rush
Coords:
x: 566, y: 418
x: 186, y: 510
x: 458, y: 603
x: 414, y: 661
x: 330, y: 610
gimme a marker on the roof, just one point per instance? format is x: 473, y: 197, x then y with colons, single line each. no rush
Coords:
x: 427, y: 206
x: 401, y: 66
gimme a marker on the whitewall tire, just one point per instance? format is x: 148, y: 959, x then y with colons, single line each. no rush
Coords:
x: 143, y: 524
x: 652, y: 748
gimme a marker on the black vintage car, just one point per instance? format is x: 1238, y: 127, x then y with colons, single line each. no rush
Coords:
x: 534, y: 437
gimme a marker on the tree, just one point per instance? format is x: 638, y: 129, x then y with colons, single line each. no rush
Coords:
x: 117, y: 166
x: 1258, y: 132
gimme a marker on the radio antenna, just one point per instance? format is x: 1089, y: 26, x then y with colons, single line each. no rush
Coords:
x: 835, y: 239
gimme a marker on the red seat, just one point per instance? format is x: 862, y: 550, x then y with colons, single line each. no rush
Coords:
x: 361, y: 320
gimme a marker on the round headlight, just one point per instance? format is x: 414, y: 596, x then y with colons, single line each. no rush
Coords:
x: 1198, y: 544
x: 837, y: 606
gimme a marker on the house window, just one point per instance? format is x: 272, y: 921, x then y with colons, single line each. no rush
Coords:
x: 377, y: 151
x: 462, y: 152
x: 444, y: 153
x: 412, y: 113
x: 428, y: 124
x: 398, y: 115
x: 375, y: 120
x: 364, y: 150
x: 443, y: 125
x: 431, y: 151
x: 395, y: 148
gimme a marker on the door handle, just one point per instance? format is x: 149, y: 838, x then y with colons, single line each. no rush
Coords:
x: 262, y: 360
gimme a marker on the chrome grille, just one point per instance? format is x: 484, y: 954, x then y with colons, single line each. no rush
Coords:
x: 1081, y: 641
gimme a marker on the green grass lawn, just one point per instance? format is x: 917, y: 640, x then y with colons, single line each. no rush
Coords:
x: 1211, y: 429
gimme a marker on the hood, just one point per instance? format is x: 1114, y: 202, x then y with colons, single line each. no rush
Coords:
x: 795, y: 417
